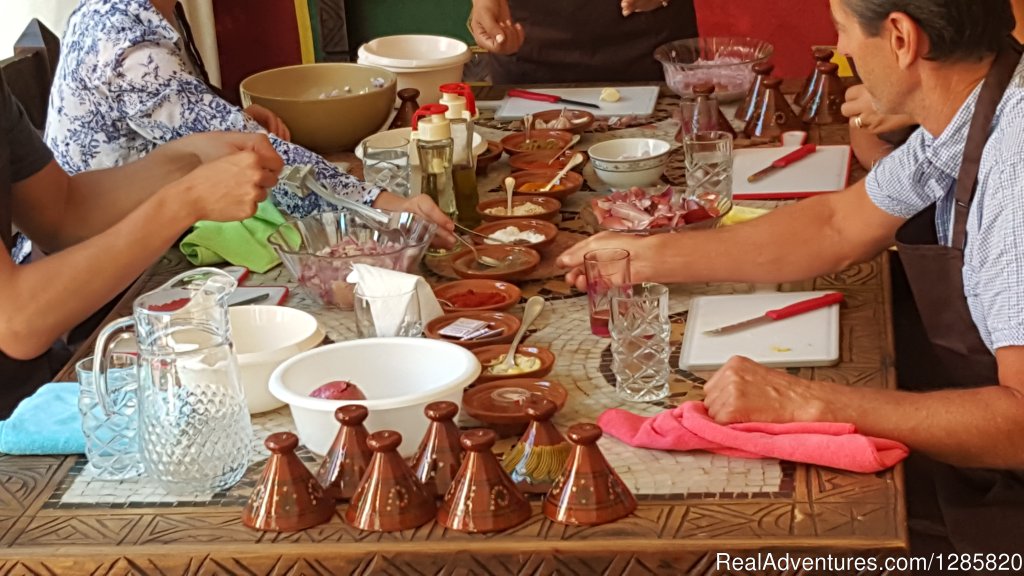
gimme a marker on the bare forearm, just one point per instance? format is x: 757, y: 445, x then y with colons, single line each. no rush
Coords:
x: 981, y: 427
x: 42, y: 300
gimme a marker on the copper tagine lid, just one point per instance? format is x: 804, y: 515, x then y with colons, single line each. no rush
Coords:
x: 389, y: 498
x: 482, y: 497
x: 588, y: 492
x: 540, y: 455
x: 439, y: 456
x: 287, y: 497
x: 349, y: 456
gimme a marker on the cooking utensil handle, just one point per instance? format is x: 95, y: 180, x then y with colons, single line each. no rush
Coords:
x: 805, y: 306
x: 526, y: 94
x: 795, y: 155
x: 101, y: 358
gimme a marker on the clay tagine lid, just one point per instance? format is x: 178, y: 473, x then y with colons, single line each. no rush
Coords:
x: 349, y: 456
x: 826, y: 102
x: 540, y: 455
x: 806, y: 91
x: 440, y: 455
x: 772, y: 114
x: 287, y: 497
x: 588, y: 492
x: 408, y: 107
x: 389, y: 498
x: 482, y: 497
x: 745, y: 110
x: 707, y: 90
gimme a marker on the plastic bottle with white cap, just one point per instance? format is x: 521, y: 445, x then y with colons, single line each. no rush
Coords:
x: 434, y: 149
x: 458, y: 97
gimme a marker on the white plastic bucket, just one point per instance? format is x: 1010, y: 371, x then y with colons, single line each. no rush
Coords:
x: 420, y: 61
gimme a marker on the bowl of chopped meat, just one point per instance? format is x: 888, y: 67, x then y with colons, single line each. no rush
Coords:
x: 650, y: 211
x: 319, y: 251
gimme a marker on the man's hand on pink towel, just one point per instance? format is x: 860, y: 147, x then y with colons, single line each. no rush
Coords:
x: 744, y: 391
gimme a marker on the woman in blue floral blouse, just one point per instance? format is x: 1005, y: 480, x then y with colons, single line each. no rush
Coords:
x: 125, y: 85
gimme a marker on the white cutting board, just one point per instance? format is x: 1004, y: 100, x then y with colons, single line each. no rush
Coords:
x: 826, y: 170
x: 635, y: 101
x: 809, y: 339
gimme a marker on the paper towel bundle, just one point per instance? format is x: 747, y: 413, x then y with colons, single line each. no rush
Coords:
x: 388, y: 315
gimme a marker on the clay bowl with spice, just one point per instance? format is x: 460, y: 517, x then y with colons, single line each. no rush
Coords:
x: 542, y: 208
x: 530, y: 182
x: 489, y: 156
x: 542, y: 361
x: 503, y: 321
x: 568, y: 119
x: 539, y: 160
x: 520, y: 226
x: 467, y: 295
x: 502, y: 404
x: 553, y: 140
x: 516, y: 262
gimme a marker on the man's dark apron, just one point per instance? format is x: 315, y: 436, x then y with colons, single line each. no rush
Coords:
x: 590, y: 41
x: 967, y: 510
x: 20, y: 378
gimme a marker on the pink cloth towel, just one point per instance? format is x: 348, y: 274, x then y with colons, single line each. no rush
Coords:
x: 689, y: 427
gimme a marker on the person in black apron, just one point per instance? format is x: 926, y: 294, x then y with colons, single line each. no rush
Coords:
x: 580, y: 40
x: 228, y: 189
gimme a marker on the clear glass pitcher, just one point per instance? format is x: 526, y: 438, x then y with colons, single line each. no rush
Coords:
x: 194, y: 428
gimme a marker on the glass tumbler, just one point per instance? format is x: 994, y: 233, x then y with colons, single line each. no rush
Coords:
x: 640, y: 342
x: 111, y: 442
x: 386, y: 316
x: 606, y: 269
x: 709, y: 168
x: 386, y: 162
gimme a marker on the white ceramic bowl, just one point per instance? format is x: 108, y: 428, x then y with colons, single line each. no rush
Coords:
x: 626, y: 162
x: 264, y: 337
x: 420, y: 61
x: 399, y: 377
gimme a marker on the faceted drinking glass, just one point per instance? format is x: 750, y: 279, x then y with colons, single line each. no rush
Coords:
x: 709, y: 168
x: 386, y: 162
x: 386, y: 316
x: 111, y: 441
x: 640, y: 331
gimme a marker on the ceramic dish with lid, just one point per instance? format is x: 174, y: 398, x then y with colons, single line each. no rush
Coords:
x: 466, y: 295
x: 537, y: 207
x: 530, y: 182
x: 519, y: 226
x: 540, y: 362
x: 553, y: 140
x: 502, y: 404
x: 503, y: 321
x: 515, y: 262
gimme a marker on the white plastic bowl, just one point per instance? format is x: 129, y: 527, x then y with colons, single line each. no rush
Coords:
x: 399, y: 377
x: 626, y: 162
x: 420, y: 61
x: 264, y: 337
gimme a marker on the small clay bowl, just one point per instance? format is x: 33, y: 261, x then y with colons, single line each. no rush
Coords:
x: 549, y: 230
x: 579, y: 120
x: 553, y: 140
x: 539, y: 161
x: 550, y: 206
x: 508, y: 324
x: 517, y: 262
x: 489, y: 156
x: 489, y: 354
x: 529, y: 183
x: 510, y: 293
x: 502, y: 404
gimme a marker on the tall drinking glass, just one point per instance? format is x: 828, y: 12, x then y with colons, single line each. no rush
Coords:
x: 709, y: 168
x: 111, y: 441
x: 640, y: 342
x: 606, y: 270
x: 386, y: 316
x: 386, y: 162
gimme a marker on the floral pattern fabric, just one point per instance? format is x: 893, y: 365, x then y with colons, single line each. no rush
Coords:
x: 124, y: 85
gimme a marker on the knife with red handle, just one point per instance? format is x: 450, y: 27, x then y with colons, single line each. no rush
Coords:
x: 794, y: 309
x: 541, y: 97
x: 798, y: 154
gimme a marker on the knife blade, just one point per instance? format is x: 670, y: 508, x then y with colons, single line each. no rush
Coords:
x: 251, y: 299
x: 553, y: 98
x: 786, y: 160
x: 770, y: 316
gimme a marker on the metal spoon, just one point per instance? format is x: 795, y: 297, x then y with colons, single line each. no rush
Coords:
x: 510, y: 186
x: 527, y: 127
x: 533, y: 309
x: 484, y: 260
x: 572, y: 142
x: 573, y: 162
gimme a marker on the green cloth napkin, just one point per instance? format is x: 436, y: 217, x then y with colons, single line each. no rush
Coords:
x: 241, y: 243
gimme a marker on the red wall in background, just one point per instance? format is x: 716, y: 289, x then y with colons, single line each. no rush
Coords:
x: 792, y: 26
x: 252, y: 36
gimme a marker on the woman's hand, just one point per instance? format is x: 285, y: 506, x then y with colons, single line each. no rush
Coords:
x: 491, y: 24
x: 425, y: 207
x: 272, y: 122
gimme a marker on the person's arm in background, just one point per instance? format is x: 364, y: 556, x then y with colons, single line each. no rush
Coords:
x: 491, y: 24
x: 42, y: 300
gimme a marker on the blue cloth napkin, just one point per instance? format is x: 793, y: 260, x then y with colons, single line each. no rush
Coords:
x: 48, y: 422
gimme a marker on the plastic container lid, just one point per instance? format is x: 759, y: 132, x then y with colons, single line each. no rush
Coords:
x: 458, y: 97
x: 431, y: 124
x: 414, y: 51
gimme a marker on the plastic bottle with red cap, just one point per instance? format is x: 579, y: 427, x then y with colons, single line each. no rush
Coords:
x: 432, y: 133
x: 458, y: 97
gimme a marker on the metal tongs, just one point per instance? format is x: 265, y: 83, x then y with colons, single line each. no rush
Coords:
x: 301, y: 180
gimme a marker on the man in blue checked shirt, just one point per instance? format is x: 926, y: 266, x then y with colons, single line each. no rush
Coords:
x: 952, y: 200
